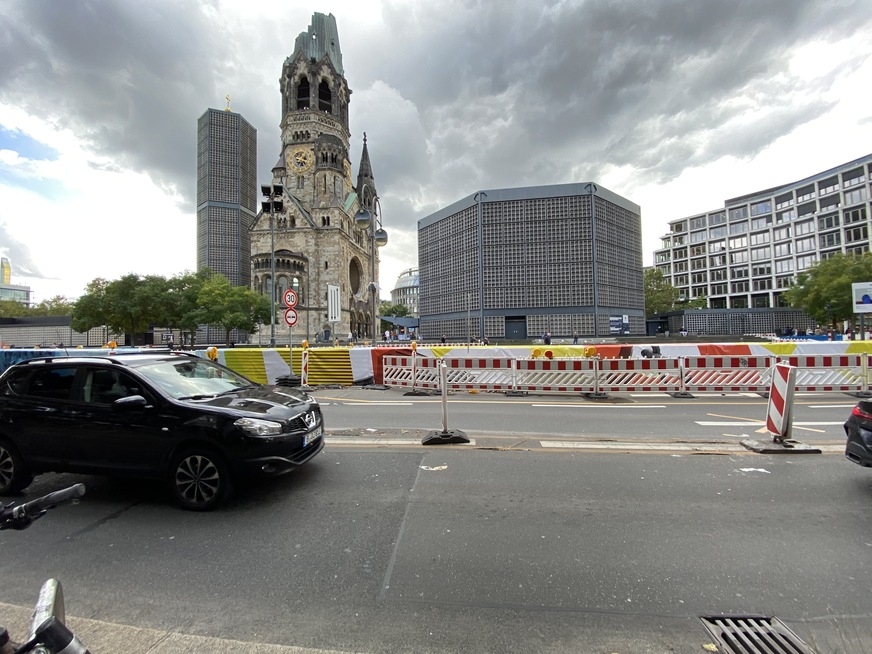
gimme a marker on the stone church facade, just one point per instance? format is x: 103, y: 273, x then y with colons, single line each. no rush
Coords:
x: 316, y: 240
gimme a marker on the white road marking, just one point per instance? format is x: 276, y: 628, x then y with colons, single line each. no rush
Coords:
x: 366, y: 404
x: 691, y: 447
x: 755, y: 423
x: 599, y: 406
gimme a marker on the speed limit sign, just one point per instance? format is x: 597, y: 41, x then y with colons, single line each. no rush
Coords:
x: 290, y: 298
x: 290, y: 317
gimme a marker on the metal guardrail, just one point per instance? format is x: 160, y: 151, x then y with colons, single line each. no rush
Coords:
x: 679, y: 375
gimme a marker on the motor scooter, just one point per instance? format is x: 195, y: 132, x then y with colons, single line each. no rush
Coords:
x: 48, y: 632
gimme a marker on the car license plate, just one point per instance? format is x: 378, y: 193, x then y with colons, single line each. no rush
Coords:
x: 313, y: 436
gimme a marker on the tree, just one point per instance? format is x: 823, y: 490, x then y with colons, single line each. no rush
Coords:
x: 660, y: 295
x: 232, y: 307
x: 13, y: 309
x: 186, y: 313
x: 824, y: 290
x: 56, y: 306
x: 396, y: 310
x: 89, y: 310
x: 134, y: 303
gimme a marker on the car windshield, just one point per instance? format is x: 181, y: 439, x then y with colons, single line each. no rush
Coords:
x: 191, y: 378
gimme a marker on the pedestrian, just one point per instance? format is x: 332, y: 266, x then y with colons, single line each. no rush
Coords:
x: 485, y: 341
x: 575, y: 338
x: 547, y: 338
x: 443, y: 339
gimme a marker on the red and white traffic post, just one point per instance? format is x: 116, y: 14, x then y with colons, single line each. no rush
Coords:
x: 779, y: 414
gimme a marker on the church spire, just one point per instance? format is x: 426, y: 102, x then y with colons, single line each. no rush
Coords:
x: 365, y: 179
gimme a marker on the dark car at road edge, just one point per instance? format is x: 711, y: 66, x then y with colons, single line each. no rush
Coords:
x: 177, y: 417
x: 858, y: 429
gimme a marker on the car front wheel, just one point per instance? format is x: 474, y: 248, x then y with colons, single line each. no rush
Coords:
x: 200, y: 480
x: 14, y: 475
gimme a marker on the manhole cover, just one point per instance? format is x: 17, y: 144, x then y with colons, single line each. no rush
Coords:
x: 753, y: 635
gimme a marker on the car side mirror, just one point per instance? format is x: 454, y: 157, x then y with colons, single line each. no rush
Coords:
x: 131, y: 402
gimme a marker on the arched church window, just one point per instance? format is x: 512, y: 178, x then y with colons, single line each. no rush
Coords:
x: 283, y: 283
x: 303, y: 93
x: 325, y: 97
x: 297, y: 285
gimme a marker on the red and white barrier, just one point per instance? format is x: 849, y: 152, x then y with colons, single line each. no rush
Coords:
x: 779, y: 412
x: 845, y: 372
x: 731, y: 374
x: 637, y: 375
x: 589, y: 375
x: 556, y: 375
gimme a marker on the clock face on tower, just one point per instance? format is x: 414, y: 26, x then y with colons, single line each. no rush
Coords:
x: 300, y: 159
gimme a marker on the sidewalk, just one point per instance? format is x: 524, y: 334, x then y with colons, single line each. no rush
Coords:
x: 104, y: 637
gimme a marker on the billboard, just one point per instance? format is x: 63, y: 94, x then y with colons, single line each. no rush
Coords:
x: 862, y: 296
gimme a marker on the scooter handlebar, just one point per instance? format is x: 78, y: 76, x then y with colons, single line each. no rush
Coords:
x: 52, y: 499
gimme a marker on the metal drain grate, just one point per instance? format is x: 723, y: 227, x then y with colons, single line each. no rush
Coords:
x: 753, y: 635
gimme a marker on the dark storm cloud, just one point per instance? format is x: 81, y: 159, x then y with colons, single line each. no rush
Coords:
x: 454, y: 96
x: 130, y: 79
x: 519, y: 93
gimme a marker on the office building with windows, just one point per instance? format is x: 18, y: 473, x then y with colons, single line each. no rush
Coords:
x: 227, y: 194
x: 515, y: 263
x: 745, y: 254
x: 406, y: 290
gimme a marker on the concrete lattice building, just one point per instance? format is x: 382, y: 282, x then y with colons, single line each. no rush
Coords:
x: 315, y: 239
x: 514, y: 263
x: 746, y: 253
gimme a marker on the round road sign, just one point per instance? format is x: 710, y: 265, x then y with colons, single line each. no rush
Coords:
x: 290, y: 298
x: 290, y: 317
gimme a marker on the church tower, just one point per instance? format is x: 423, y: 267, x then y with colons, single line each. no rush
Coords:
x: 316, y: 239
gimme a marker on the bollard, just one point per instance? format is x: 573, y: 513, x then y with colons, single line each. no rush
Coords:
x: 445, y: 436
x: 304, y: 365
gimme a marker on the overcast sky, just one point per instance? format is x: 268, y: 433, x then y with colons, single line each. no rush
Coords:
x: 676, y: 105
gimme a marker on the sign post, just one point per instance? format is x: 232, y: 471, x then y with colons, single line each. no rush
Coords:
x: 290, y: 298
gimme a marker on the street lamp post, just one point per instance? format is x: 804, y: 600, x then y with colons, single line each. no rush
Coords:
x: 367, y: 218
x: 272, y: 203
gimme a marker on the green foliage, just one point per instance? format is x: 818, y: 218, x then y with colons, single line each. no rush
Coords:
x: 13, y: 309
x: 660, y: 295
x: 232, y: 307
x: 56, y: 306
x: 824, y: 290
x: 131, y: 304
x: 89, y: 310
x: 395, y: 310
x: 185, y: 312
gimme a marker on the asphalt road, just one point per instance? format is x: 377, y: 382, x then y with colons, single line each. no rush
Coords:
x: 710, y: 417
x: 398, y: 548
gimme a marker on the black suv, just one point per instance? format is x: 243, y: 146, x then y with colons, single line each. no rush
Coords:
x: 178, y: 417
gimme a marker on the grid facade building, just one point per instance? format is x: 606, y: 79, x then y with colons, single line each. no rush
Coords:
x: 226, y: 194
x: 745, y: 254
x: 514, y: 263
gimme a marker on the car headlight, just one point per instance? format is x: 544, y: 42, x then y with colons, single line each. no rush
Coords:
x: 257, y: 427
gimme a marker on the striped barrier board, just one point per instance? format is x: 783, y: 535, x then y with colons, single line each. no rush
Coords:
x: 557, y: 375
x: 730, y: 374
x: 636, y: 375
x: 479, y: 374
x: 779, y: 418
x: 844, y: 372
x: 398, y: 372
